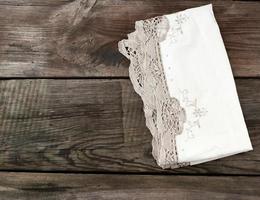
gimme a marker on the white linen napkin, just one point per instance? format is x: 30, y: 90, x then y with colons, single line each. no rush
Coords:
x: 179, y: 67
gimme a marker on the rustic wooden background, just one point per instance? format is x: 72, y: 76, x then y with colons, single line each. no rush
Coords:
x: 71, y: 125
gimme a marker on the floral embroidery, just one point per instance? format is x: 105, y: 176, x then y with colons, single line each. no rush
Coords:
x: 176, y: 29
x: 196, y: 112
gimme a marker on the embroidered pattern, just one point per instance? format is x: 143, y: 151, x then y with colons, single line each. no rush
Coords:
x: 196, y: 112
x: 176, y: 29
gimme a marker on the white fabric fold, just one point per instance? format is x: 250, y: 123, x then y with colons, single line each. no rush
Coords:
x: 180, y: 68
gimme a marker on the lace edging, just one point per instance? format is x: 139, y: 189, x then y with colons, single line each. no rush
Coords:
x: 164, y: 115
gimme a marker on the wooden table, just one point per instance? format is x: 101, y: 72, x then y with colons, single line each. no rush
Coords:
x: 71, y: 125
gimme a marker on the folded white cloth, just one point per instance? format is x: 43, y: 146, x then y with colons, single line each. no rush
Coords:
x: 179, y: 67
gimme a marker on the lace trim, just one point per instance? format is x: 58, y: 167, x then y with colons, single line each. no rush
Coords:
x: 165, y: 117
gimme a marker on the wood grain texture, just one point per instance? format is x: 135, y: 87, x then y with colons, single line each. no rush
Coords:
x: 97, y: 125
x: 65, y: 38
x: 24, y: 186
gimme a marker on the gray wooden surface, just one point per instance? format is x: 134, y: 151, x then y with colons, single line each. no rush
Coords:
x: 98, y: 125
x: 71, y: 120
x: 26, y: 186
x: 65, y: 38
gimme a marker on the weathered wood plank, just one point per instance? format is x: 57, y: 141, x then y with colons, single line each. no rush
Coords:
x: 97, y: 125
x: 24, y: 186
x: 64, y: 38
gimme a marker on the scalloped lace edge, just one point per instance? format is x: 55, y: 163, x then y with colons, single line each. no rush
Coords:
x: 164, y: 115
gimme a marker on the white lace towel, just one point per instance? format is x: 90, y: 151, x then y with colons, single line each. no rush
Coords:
x: 179, y: 67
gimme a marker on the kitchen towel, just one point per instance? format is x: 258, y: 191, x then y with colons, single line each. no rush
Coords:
x: 180, y: 68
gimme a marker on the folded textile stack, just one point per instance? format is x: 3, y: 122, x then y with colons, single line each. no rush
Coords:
x: 179, y: 67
